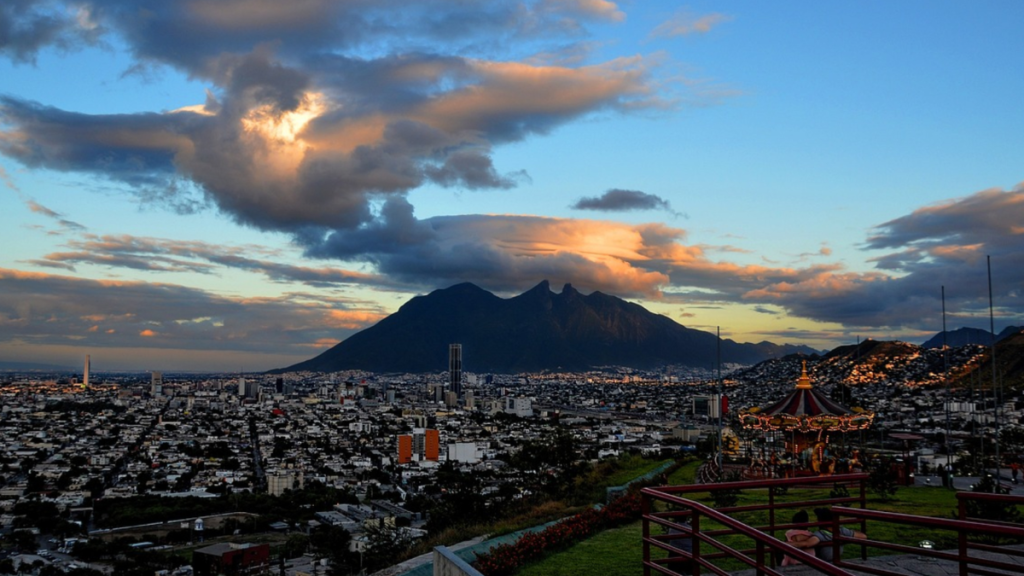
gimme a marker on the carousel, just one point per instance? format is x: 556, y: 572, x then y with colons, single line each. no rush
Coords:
x: 800, y: 432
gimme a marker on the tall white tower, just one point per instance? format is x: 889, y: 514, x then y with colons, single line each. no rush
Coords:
x: 85, y: 375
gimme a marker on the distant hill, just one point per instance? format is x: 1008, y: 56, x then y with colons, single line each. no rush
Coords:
x: 6, y: 366
x: 537, y: 330
x: 965, y: 336
x: 895, y: 363
x: 1009, y: 365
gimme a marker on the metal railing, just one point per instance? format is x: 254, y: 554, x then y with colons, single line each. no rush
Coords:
x: 719, y: 542
x: 762, y: 549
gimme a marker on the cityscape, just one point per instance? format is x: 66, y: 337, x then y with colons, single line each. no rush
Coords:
x: 511, y: 288
x: 394, y: 449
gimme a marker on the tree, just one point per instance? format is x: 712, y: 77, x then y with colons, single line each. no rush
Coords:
x: 295, y: 546
x: 882, y: 480
x: 142, y: 479
x: 95, y: 486
x: 385, y: 543
x: 998, y: 511
x: 24, y: 540
x: 332, y: 542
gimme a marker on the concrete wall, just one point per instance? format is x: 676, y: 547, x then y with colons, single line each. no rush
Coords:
x: 446, y: 563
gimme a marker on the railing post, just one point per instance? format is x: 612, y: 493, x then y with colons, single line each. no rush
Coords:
x: 645, y: 508
x: 837, y: 555
x: 863, y: 522
x: 760, y: 558
x: 771, y: 517
x: 695, y: 526
x: 961, y: 536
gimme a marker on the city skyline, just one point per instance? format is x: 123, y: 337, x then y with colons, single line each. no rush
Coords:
x: 240, y: 185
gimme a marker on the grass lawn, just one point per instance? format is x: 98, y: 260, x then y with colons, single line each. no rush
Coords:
x: 615, y: 551
x: 633, y: 468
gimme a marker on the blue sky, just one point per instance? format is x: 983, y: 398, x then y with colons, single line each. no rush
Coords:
x: 213, y: 185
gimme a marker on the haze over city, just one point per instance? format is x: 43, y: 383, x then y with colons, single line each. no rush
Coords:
x: 241, y: 184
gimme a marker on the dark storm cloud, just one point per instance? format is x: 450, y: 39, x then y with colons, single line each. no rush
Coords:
x: 27, y: 26
x: 190, y: 35
x: 468, y: 169
x: 616, y: 200
x: 49, y: 309
x: 136, y: 148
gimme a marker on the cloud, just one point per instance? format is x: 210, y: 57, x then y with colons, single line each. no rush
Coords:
x: 508, y: 253
x: 7, y: 180
x: 162, y: 255
x: 935, y: 246
x: 27, y: 26
x: 64, y: 223
x: 275, y: 152
x: 616, y: 200
x: 684, y: 23
x: 599, y: 9
x: 52, y: 310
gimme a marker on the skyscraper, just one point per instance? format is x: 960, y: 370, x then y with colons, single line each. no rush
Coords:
x: 156, y: 383
x: 85, y: 375
x: 455, y: 368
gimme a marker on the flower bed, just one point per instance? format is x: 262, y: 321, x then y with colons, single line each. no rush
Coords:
x: 505, y: 559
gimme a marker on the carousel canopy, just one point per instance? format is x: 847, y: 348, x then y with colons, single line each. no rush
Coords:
x: 806, y: 409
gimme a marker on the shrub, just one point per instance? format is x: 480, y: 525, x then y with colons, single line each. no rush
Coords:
x: 881, y: 479
x: 839, y: 491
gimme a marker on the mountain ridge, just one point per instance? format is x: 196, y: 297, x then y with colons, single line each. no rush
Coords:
x: 533, y: 331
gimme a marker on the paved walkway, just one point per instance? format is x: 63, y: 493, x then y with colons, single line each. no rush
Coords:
x: 910, y: 565
x: 966, y: 482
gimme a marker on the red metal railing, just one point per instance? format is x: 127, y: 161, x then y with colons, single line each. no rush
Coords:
x: 708, y: 549
x: 764, y: 549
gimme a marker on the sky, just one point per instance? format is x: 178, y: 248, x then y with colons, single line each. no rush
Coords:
x: 221, y: 185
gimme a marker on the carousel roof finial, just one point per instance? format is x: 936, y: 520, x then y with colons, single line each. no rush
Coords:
x: 804, y: 382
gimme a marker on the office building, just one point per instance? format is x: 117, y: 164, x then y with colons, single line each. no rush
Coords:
x: 424, y: 444
x: 404, y: 449
x: 451, y: 399
x: 85, y: 373
x: 455, y: 368
x: 432, y: 445
x: 709, y: 406
x: 156, y: 383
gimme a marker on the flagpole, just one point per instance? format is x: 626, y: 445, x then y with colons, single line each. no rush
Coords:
x: 945, y: 370
x: 718, y: 353
x: 992, y: 334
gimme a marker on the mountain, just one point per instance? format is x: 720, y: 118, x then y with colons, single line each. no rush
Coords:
x: 537, y: 330
x: 965, y: 336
